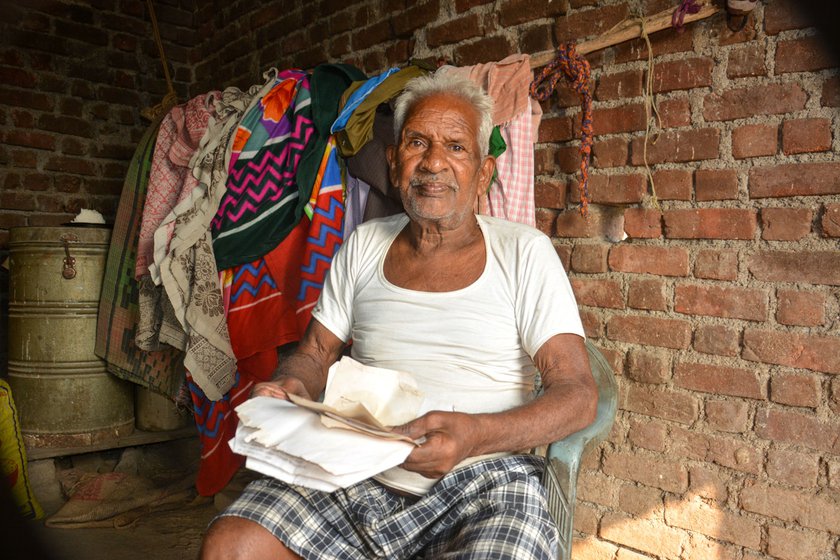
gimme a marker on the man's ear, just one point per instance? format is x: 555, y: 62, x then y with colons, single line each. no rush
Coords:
x: 391, y: 156
x: 485, y: 173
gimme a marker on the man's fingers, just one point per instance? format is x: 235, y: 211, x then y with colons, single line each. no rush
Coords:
x: 269, y: 390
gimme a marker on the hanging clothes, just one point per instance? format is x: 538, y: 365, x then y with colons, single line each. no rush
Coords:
x: 188, y: 270
x: 171, y: 178
x: 118, y: 310
x: 258, y: 209
x: 354, y: 130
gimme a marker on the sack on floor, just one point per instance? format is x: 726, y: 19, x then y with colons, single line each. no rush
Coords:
x: 13, y: 470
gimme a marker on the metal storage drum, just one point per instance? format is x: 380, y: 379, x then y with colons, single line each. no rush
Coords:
x: 65, y: 395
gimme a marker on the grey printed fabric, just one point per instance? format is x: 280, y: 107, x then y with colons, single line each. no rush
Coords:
x: 492, y: 509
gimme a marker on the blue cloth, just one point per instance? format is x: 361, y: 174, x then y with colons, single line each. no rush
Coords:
x: 357, y: 97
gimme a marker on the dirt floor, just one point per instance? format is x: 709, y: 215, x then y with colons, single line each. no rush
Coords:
x: 170, y: 529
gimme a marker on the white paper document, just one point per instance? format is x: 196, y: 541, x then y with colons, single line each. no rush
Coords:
x: 333, y: 444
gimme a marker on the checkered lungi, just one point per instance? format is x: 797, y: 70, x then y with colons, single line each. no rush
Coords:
x: 490, y: 509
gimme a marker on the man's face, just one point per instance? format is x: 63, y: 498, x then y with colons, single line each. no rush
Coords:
x: 436, y: 164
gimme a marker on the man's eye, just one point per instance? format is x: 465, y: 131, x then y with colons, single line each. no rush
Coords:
x: 456, y: 148
x: 415, y: 143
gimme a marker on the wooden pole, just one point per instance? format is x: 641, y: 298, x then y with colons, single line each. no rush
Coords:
x: 626, y: 30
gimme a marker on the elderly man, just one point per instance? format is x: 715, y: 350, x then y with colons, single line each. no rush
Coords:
x: 472, y: 307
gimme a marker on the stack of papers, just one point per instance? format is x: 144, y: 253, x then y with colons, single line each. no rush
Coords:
x: 333, y: 444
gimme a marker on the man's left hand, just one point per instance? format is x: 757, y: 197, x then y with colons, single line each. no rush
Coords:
x: 447, y: 439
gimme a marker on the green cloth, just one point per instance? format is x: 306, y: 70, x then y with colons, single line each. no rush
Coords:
x: 497, y: 148
x: 326, y: 85
x: 359, y: 129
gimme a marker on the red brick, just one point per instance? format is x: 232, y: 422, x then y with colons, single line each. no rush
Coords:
x: 648, y: 434
x: 795, y: 179
x: 664, y: 42
x: 648, y: 367
x: 598, y: 293
x: 719, y: 380
x: 610, y: 152
x: 727, y: 416
x: 660, y: 403
x: 514, y: 12
x: 649, y: 470
x: 647, y: 294
x: 782, y: 15
x: 795, y: 544
x: 707, y: 483
x: 639, y: 500
x: 614, y: 188
x: 673, y: 184
x: 798, y: 308
x: 802, y: 508
x: 496, y: 47
x: 30, y: 139
x: 545, y: 220
x: 537, y: 38
x: 710, y: 223
x: 643, y: 259
x: 415, y: 16
x: 831, y: 220
x: 675, y: 112
x: 696, y: 515
x: 619, y: 85
x: 785, y: 224
x: 680, y: 146
x: 730, y: 452
x: 556, y: 129
x: 818, y: 353
x: 68, y: 164
x: 568, y: 159
x: 649, y: 535
x: 613, y: 120
x: 682, y: 74
x: 643, y: 223
x: 806, y: 135
x: 812, y: 267
x: 17, y: 77
x: 455, y: 30
x: 579, y: 25
x: 596, y: 488
x: 550, y: 194
x: 831, y: 92
x: 755, y: 140
x: 718, y: 340
x: 795, y: 390
x: 593, y: 327
x: 66, y: 125
x: 746, y: 61
x: 565, y: 254
x: 653, y: 331
x: 590, y: 258
x: 770, y: 99
x: 807, y: 54
x: 591, y: 548
x: 600, y: 222
x: 716, y: 184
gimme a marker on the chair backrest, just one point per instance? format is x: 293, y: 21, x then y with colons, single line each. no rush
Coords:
x: 563, y: 457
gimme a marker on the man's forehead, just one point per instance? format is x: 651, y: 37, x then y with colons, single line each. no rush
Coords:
x: 441, y: 110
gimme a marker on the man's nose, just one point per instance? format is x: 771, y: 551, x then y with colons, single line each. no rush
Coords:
x: 434, y: 158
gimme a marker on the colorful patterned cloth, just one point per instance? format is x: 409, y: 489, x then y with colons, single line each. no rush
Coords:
x: 171, y: 180
x: 259, y: 208
x: 118, y: 305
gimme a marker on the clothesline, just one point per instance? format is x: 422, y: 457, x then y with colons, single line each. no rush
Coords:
x: 627, y: 30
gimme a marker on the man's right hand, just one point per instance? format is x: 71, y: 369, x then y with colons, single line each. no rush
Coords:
x: 280, y: 388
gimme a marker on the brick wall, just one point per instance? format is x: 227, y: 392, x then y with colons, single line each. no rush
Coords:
x: 719, y: 310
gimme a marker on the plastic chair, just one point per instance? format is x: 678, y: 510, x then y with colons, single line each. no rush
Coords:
x: 563, y: 457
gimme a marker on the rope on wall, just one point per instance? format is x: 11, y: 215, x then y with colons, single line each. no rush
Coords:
x: 576, y: 68
x: 171, y: 98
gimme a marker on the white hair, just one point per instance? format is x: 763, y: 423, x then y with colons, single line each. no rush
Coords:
x: 447, y: 83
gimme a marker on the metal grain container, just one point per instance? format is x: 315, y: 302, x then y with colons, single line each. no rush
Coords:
x: 64, y: 394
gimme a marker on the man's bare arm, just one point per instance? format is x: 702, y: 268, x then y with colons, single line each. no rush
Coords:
x: 304, y: 372
x: 568, y: 404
